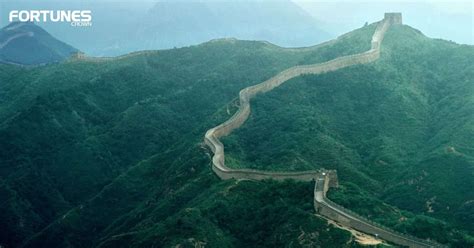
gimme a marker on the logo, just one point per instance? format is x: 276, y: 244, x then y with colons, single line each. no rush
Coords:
x: 77, y: 18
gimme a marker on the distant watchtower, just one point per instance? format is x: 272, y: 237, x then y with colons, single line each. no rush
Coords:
x: 394, y: 18
x: 78, y: 55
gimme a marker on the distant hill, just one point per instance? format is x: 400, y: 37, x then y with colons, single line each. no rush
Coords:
x: 180, y: 23
x: 27, y: 44
x: 168, y: 24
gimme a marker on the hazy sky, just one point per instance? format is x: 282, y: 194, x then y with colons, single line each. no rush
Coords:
x: 450, y: 20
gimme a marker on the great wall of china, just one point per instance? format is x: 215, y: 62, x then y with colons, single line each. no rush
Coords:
x: 83, y: 57
x: 324, y: 179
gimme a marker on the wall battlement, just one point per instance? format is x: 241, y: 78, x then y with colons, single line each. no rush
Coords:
x: 80, y: 56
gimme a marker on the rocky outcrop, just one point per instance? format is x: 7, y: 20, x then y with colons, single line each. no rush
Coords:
x: 323, y: 178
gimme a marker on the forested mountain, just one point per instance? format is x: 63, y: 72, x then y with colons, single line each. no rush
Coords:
x: 120, y: 137
x: 28, y: 44
x: 110, y: 154
x: 398, y: 131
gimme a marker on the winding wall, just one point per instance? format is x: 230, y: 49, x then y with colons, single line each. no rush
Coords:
x: 211, y: 137
x: 323, y: 178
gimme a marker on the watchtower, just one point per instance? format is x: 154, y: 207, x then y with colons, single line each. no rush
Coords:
x: 394, y: 18
x: 78, y: 55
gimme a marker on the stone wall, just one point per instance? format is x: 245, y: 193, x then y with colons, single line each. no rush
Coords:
x: 306, y: 176
x: 346, y: 217
x: 83, y: 57
x: 362, y: 225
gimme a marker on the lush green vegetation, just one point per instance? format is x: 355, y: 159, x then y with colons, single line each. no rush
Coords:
x: 110, y: 154
x: 400, y: 129
x: 89, y: 151
x: 354, y: 42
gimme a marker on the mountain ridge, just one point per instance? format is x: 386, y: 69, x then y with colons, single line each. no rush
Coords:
x: 25, y: 43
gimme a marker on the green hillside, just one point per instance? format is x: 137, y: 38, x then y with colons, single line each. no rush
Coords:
x: 110, y: 154
x: 126, y: 133
x: 399, y: 131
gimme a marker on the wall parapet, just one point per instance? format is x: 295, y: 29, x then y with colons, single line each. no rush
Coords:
x: 334, y: 211
x: 79, y: 56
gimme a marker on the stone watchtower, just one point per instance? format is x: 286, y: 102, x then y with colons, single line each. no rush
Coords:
x: 78, y: 55
x: 394, y: 18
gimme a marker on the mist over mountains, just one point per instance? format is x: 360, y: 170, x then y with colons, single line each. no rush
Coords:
x: 124, y: 27
x: 282, y: 22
